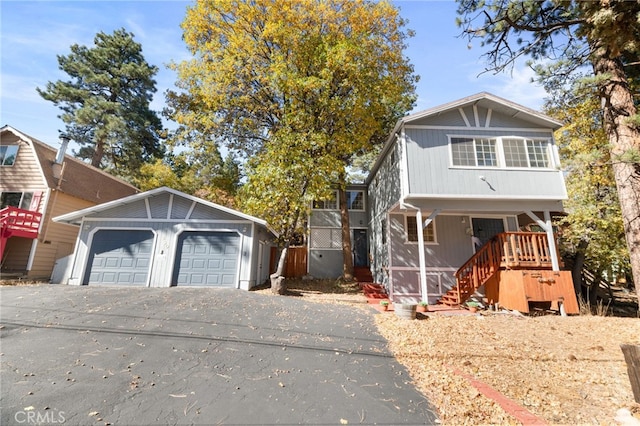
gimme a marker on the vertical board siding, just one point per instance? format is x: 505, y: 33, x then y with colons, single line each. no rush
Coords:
x: 136, y: 209
x: 180, y: 208
x: 159, y: 206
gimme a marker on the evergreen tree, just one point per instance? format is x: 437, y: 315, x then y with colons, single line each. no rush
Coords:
x: 105, y: 104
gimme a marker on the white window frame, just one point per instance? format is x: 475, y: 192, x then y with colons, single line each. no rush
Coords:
x: 324, y: 203
x: 364, y: 207
x: 500, y: 153
x: 426, y: 240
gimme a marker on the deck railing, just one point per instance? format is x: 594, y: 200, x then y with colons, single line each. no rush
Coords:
x: 512, y: 250
x: 15, y: 222
x: 20, y: 221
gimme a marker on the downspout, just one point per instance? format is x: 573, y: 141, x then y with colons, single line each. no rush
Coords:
x: 404, y: 191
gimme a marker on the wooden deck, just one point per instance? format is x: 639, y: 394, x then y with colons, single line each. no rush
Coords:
x: 516, y: 269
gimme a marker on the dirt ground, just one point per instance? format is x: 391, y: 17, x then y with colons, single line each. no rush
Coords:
x: 565, y: 370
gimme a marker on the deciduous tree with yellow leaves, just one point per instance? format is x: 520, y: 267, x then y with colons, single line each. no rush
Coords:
x: 298, y: 88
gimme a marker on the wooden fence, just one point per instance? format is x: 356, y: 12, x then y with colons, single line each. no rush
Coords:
x: 296, y: 265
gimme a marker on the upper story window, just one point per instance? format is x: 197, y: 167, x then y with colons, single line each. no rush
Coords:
x: 500, y: 152
x: 355, y: 200
x: 328, y: 204
x: 21, y: 200
x: 8, y: 154
x: 428, y: 232
x: 525, y: 153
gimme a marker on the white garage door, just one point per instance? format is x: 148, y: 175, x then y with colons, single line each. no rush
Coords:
x: 207, y: 259
x: 120, y: 257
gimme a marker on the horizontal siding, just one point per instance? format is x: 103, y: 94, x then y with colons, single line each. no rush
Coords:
x: 384, y: 191
x: 430, y: 171
x: 56, y: 240
x: 452, y: 250
x: 24, y: 175
x: 16, y: 254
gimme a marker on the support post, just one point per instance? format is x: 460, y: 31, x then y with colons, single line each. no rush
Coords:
x: 551, y: 240
x: 421, y: 258
x: 632, y: 358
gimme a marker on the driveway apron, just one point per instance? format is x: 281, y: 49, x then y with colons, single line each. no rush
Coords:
x: 110, y: 355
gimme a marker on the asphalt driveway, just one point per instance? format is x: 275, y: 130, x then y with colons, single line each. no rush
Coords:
x: 108, y: 355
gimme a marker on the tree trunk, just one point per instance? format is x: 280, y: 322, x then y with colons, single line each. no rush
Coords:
x: 578, y: 264
x: 98, y: 153
x: 347, y: 254
x: 277, y: 278
x: 624, y: 139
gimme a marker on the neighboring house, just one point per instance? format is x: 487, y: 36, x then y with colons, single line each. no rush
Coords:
x: 163, y: 238
x: 448, y: 180
x: 38, y: 182
x: 325, y: 258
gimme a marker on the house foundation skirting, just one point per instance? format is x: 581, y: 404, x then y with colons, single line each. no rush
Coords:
x: 405, y: 285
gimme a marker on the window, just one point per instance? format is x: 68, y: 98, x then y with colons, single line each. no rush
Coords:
x: 500, y: 152
x: 428, y: 233
x: 355, y: 200
x: 525, y: 153
x: 328, y: 204
x: 474, y: 152
x: 21, y: 200
x: 8, y: 154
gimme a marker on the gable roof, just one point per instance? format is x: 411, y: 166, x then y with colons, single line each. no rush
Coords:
x: 493, y: 102
x: 76, y: 217
x: 483, y: 99
x: 103, y: 187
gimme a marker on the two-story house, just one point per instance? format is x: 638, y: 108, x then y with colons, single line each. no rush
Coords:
x: 37, y: 183
x: 451, y: 191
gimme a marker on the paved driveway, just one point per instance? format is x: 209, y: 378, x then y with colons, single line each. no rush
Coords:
x: 108, y: 355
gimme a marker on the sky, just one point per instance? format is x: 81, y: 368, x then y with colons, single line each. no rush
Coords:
x: 32, y: 33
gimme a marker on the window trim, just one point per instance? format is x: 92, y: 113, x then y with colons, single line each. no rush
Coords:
x: 500, y: 152
x: 22, y: 198
x: 4, y: 156
x: 364, y: 206
x: 426, y: 242
x: 313, y: 203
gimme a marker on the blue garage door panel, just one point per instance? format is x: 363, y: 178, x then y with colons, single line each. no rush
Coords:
x: 120, y: 257
x: 207, y: 259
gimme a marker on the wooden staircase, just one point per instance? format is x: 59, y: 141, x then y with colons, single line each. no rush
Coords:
x: 15, y: 222
x: 508, y: 250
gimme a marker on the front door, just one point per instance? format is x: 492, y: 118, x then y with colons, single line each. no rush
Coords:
x: 360, y: 248
x: 485, y: 228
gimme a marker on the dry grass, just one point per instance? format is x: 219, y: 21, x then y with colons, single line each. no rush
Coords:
x: 565, y: 370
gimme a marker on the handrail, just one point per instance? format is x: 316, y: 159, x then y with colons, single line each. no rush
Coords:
x: 507, y: 250
x: 15, y: 219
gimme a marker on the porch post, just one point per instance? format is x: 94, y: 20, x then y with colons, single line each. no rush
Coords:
x: 553, y: 251
x: 421, y: 258
x: 548, y: 227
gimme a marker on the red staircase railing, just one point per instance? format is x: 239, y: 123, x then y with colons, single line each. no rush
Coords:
x: 512, y: 250
x: 15, y: 222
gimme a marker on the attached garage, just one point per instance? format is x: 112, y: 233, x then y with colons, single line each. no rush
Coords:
x: 120, y: 257
x: 163, y: 238
x: 207, y: 259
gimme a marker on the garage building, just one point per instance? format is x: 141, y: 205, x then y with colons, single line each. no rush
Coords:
x: 163, y: 238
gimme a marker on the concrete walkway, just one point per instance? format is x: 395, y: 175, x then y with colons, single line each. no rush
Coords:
x: 109, y: 355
